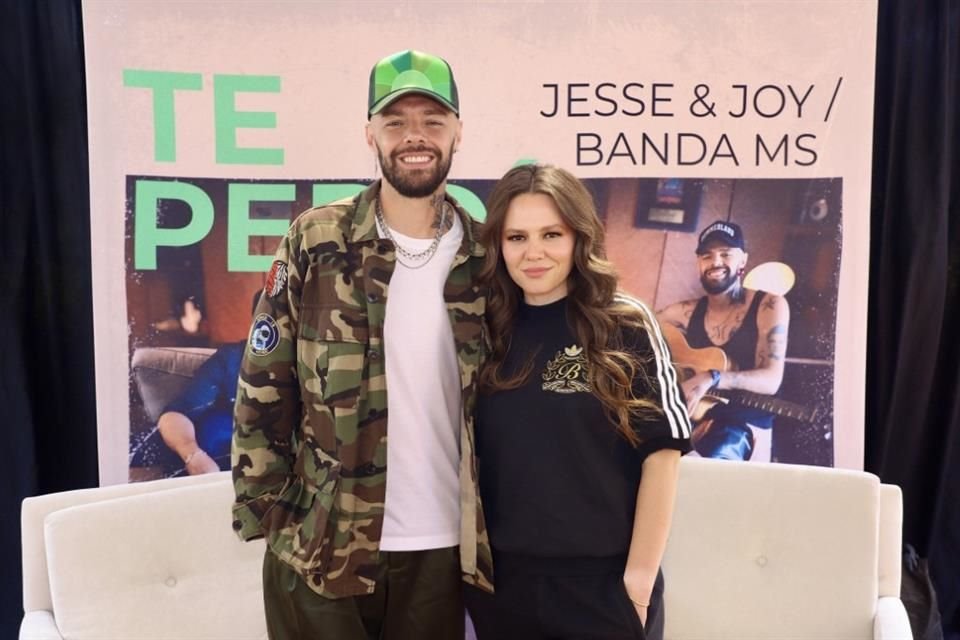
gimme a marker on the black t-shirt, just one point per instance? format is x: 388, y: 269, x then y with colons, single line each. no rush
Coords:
x: 556, y: 478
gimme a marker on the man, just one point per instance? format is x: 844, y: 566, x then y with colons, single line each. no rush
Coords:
x: 363, y: 359
x: 749, y: 326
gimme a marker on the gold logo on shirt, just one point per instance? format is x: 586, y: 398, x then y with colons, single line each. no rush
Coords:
x: 567, y: 372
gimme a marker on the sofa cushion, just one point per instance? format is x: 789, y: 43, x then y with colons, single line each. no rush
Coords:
x: 155, y: 566
x: 771, y: 551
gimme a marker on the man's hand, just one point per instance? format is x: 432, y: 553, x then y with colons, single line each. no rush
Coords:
x: 694, y: 388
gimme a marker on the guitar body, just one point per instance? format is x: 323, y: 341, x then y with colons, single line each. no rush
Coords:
x: 690, y: 360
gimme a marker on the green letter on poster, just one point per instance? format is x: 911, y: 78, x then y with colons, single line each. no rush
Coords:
x: 163, y: 83
x: 228, y: 119
x: 240, y: 227
x: 325, y: 193
x: 147, y: 236
x: 469, y: 201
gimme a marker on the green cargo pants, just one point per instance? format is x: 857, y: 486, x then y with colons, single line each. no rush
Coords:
x: 417, y: 597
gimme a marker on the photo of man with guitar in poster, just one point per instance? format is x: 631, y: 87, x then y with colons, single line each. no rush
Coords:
x: 746, y: 292
x: 732, y: 338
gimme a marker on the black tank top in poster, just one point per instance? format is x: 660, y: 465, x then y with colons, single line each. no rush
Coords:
x: 741, y: 349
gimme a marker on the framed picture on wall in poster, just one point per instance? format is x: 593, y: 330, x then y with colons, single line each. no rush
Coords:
x: 669, y: 203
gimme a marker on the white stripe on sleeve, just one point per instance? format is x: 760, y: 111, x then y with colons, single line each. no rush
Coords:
x: 673, y: 405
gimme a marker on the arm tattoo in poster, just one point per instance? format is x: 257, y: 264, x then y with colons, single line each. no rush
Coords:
x: 777, y: 342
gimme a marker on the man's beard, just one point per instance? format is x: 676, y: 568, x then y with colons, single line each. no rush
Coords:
x: 415, y: 183
x: 718, y: 286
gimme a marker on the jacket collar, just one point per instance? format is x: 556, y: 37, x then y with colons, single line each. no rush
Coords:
x: 363, y: 228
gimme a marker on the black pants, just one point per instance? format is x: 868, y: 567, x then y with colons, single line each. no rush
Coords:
x: 417, y: 597
x: 561, y: 598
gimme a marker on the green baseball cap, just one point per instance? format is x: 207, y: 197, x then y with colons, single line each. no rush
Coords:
x: 409, y: 72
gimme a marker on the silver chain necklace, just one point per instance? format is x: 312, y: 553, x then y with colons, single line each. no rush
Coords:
x: 427, y: 254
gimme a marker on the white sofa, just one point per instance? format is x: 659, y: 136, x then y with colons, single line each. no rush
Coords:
x: 155, y: 560
x: 762, y: 550
x: 756, y: 551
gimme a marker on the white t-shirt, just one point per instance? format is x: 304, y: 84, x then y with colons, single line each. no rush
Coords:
x: 422, y: 506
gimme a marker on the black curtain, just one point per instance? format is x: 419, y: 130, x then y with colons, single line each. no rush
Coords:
x: 913, y: 364
x: 913, y: 377
x: 46, y: 389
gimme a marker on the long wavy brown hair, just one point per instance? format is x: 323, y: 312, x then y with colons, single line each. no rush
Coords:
x: 593, y: 313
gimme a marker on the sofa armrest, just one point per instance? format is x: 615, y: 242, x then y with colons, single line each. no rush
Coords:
x: 39, y: 625
x: 891, y: 622
x: 161, y: 374
x: 890, y: 552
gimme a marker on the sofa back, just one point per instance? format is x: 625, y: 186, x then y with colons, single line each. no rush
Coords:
x: 154, y: 566
x: 35, y: 509
x: 772, y: 551
x: 756, y: 551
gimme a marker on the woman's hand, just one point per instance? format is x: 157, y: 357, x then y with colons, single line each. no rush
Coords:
x: 641, y: 613
x: 636, y: 592
x: 200, y: 462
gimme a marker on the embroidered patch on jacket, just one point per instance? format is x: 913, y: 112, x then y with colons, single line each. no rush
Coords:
x: 276, y: 279
x: 567, y: 372
x: 265, y: 335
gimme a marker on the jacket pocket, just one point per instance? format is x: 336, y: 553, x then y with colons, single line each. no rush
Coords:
x: 334, y: 323
x: 332, y: 349
x: 298, y: 519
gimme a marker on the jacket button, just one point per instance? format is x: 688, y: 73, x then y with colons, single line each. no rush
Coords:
x: 373, y: 354
x: 237, y: 525
x: 372, y: 297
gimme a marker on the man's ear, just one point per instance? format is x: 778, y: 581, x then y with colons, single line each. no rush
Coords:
x: 368, y: 136
x: 459, y: 138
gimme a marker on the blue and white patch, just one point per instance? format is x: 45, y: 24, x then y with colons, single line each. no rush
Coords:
x: 265, y: 335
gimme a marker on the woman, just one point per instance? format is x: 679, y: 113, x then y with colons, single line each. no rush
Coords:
x: 580, y: 425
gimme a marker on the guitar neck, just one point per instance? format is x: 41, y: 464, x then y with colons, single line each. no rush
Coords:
x: 770, y: 404
x: 689, y: 361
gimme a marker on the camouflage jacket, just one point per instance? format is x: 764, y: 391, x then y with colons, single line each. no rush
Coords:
x: 310, y: 422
